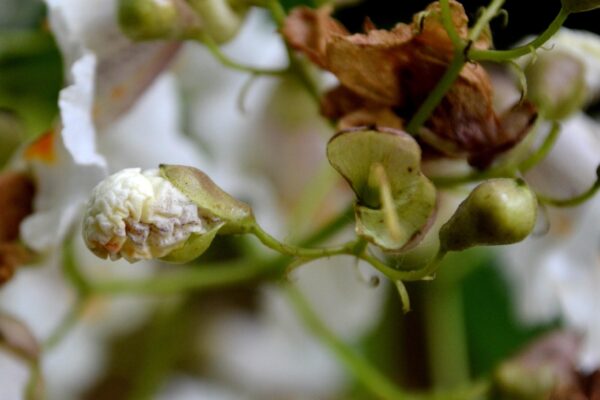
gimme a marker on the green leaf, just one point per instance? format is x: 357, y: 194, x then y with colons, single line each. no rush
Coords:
x: 395, y: 201
x: 575, y: 6
x: 211, y: 199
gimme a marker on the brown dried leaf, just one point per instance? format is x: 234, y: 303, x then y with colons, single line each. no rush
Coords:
x: 371, y: 64
x: 466, y: 120
x: 431, y: 34
x: 309, y: 31
x: 16, y: 201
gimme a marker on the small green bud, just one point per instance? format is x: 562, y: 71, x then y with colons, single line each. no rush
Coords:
x: 149, y: 19
x: 498, y: 211
x: 575, y: 6
x: 556, y: 84
x: 180, y: 19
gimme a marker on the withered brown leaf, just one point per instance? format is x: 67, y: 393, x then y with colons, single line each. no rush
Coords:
x: 309, y: 31
x: 384, y: 73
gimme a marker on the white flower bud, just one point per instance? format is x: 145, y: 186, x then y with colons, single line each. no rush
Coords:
x: 140, y: 215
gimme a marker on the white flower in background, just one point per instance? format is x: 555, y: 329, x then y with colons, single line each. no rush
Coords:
x: 139, y: 215
x: 272, y: 355
x: 103, y: 127
x: 557, y: 274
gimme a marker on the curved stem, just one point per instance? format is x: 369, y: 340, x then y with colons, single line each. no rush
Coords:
x: 296, y: 66
x: 573, y: 201
x: 188, y: 278
x: 543, y: 150
x: 504, y: 55
x: 72, y: 273
x: 217, y: 275
x: 449, y: 25
x: 405, y: 275
x: 296, y: 251
x: 68, y: 321
x: 449, y: 181
x: 215, y: 50
x: 361, y: 369
x: 437, y: 94
x: 490, y: 12
x: 447, y: 80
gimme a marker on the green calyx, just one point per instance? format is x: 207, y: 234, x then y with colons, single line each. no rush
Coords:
x: 395, y: 201
x: 498, y: 211
x: 214, y: 203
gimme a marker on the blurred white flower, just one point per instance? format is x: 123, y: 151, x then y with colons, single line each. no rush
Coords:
x: 557, y: 274
x: 273, y: 355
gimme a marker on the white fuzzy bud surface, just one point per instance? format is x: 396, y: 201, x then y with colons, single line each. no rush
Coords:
x: 139, y: 215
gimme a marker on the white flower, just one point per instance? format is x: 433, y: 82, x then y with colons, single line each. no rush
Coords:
x: 139, y: 215
x: 557, y: 275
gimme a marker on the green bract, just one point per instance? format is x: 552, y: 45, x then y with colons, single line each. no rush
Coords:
x: 194, y: 247
x: 395, y: 201
x: 235, y: 216
x: 498, y: 211
x: 575, y: 6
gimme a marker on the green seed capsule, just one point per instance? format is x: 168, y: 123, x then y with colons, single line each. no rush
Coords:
x: 498, y: 211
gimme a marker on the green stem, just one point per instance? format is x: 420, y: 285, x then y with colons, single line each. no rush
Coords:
x: 360, y: 368
x: 215, y: 50
x: 573, y: 201
x: 437, y: 94
x: 188, y: 278
x: 35, y: 386
x: 444, y: 323
x: 543, y: 150
x: 301, y: 252
x: 218, y: 275
x: 67, y: 323
x: 72, y: 273
x: 161, y: 350
x: 504, y: 55
x: 490, y: 12
x: 450, y: 181
x: 405, y: 275
x: 445, y: 83
x: 449, y: 25
x: 296, y: 66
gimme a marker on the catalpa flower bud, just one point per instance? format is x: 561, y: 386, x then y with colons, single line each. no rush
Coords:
x: 141, y: 215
